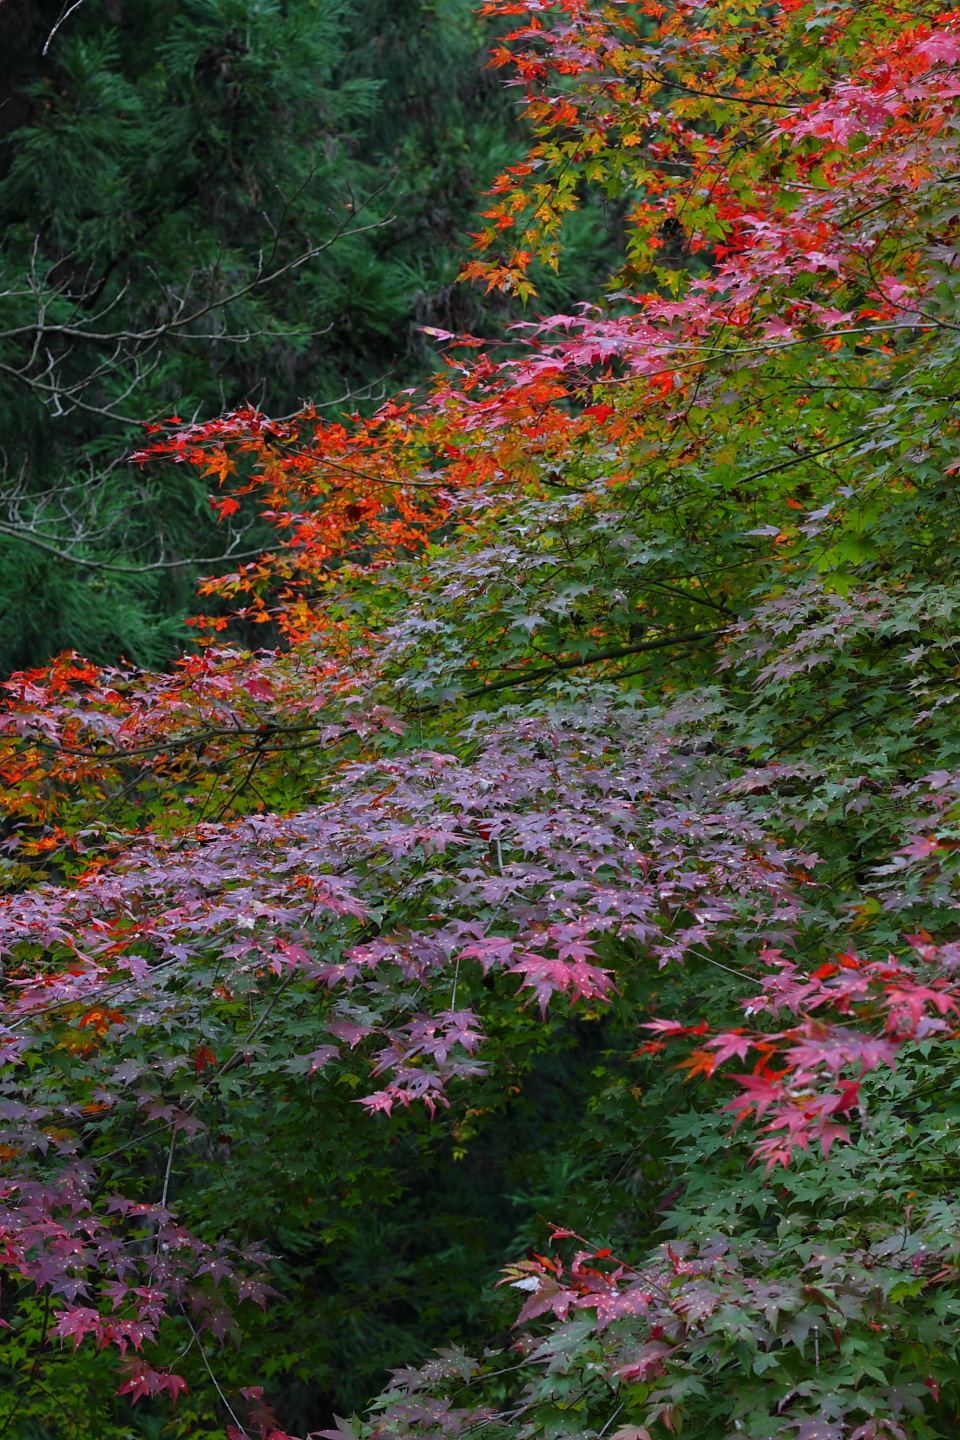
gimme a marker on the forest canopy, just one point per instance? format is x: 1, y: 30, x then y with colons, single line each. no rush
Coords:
x: 501, y: 976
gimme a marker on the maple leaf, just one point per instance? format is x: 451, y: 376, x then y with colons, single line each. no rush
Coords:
x: 818, y: 1429
x: 546, y: 977
x: 550, y: 1297
x: 732, y: 1042
x: 345, y: 1429
x: 320, y: 1057
x: 142, y: 1382
x: 77, y: 1322
x: 832, y: 1046
x: 698, y: 1062
x: 228, y: 505
x: 646, y: 1363
x: 763, y: 1090
x: 673, y: 1028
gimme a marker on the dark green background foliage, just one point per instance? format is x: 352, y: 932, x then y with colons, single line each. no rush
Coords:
x: 205, y: 204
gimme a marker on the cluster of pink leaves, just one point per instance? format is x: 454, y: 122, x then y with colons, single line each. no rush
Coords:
x: 563, y: 838
x: 806, y: 626
x: 542, y: 831
x: 925, y: 868
x: 132, y: 1257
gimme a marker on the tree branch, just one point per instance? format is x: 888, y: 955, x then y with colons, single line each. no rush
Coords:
x: 593, y: 657
x: 64, y: 16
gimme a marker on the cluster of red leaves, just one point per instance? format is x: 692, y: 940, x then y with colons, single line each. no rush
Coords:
x: 76, y: 732
x: 338, y: 497
x: 797, y: 1080
x: 597, y: 76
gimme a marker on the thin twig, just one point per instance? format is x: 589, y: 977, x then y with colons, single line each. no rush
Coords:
x: 216, y: 1384
x: 64, y: 16
x: 25, y: 536
x: 166, y: 1177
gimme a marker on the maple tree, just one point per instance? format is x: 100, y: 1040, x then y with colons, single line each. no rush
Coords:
x: 616, y: 681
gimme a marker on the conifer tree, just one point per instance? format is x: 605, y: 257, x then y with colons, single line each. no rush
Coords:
x: 207, y: 204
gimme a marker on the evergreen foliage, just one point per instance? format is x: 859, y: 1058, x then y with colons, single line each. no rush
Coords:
x: 207, y: 204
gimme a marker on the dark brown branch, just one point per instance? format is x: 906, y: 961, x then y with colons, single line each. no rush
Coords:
x: 593, y: 657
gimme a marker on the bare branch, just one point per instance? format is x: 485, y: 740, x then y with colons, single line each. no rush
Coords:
x: 64, y: 16
x: 179, y: 321
x: 194, y: 562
